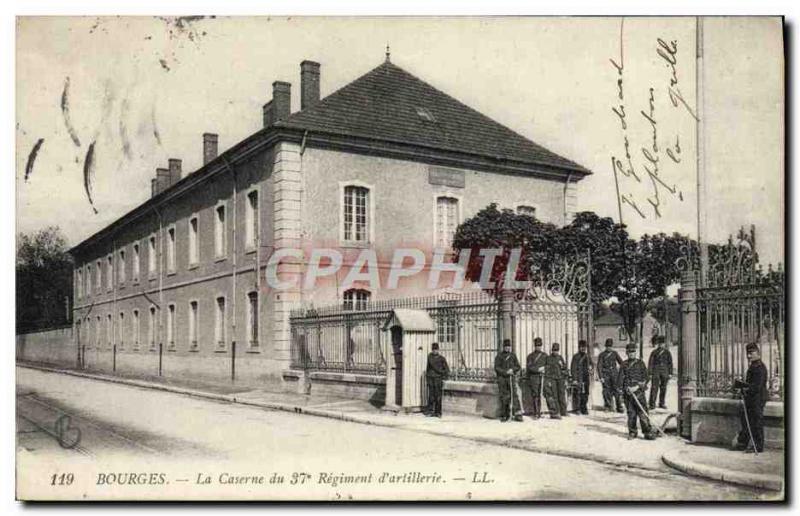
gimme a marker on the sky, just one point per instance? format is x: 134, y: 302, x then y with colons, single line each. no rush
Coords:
x: 144, y: 89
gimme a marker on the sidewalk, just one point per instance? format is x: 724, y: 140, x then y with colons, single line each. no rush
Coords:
x: 765, y: 470
x: 599, y: 437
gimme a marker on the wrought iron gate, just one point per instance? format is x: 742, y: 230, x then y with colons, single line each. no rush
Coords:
x: 738, y: 303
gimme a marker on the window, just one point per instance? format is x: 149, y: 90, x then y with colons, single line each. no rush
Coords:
x: 251, y: 220
x: 99, y: 278
x: 110, y: 272
x: 109, y: 330
x: 151, y: 255
x: 136, y: 264
x: 446, y: 221
x: 219, y: 231
x: 252, y: 318
x: 219, y: 323
x: 122, y: 266
x: 356, y: 299
x: 193, y: 325
x: 79, y: 284
x: 194, y: 243
x: 151, y: 328
x: 97, y: 332
x: 88, y: 280
x: 356, y: 214
x: 136, y: 329
x: 171, y: 327
x: 523, y: 209
x: 446, y: 323
x: 171, y: 249
x: 121, y: 330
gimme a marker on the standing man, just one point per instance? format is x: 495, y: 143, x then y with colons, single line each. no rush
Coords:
x: 633, y: 380
x: 534, y: 368
x: 660, y: 366
x: 506, y: 366
x: 555, y: 375
x: 581, y: 370
x: 435, y: 375
x: 608, y: 371
x: 754, y: 395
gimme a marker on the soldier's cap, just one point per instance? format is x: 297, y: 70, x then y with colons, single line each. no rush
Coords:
x: 752, y: 346
x: 435, y: 345
x: 581, y: 343
x: 631, y: 347
x: 609, y: 343
x: 659, y: 339
x: 555, y: 347
x: 537, y: 341
x: 506, y: 343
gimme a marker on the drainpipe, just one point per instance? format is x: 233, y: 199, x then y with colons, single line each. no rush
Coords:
x: 566, y: 187
x: 233, y: 275
x: 160, y: 252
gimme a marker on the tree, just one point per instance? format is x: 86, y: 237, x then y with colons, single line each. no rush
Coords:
x: 505, y: 230
x: 44, y: 280
x: 652, y: 267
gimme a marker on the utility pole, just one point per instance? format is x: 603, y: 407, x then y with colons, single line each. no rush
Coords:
x: 700, y: 143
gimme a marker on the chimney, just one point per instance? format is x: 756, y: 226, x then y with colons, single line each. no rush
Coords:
x: 174, y: 171
x: 153, y: 187
x: 309, y: 84
x: 162, y: 179
x: 281, y: 100
x: 209, y: 147
x: 269, y: 114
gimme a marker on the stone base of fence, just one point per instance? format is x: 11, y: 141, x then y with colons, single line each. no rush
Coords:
x: 716, y: 421
x: 473, y: 398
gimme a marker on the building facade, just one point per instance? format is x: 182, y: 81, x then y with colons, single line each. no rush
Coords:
x: 179, y: 285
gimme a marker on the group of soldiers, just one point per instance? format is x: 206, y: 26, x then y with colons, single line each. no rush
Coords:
x: 547, y: 375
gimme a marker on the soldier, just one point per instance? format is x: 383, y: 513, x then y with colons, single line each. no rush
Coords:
x: 660, y: 366
x: 754, y: 395
x: 633, y: 380
x: 607, y: 369
x: 555, y: 375
x: 506, y: 366
x: 435, y: 375
x: 581, y: 369
x: 534, y: 368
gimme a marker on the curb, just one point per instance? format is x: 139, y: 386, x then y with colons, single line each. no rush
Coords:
x: 311, y: 411
x: 758, y: 480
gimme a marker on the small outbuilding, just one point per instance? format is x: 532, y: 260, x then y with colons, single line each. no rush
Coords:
x: 412, y: 333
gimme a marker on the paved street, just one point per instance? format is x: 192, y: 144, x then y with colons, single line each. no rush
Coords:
x: 130, y: 430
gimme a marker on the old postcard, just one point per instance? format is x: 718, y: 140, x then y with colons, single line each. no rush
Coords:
x: 415, y: 258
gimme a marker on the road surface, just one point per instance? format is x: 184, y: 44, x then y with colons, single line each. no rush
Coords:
x: 148, y: 444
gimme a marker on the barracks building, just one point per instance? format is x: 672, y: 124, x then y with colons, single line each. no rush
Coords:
x: 177, y: 285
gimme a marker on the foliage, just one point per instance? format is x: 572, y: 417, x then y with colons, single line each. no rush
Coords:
x: 44, y: 280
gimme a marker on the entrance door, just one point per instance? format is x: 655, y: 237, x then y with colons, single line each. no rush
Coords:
x: 397, y: 352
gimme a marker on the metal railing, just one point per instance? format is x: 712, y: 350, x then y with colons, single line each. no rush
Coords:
x: 468, y: 330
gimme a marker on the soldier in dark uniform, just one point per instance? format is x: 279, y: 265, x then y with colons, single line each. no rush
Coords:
x: 506, y: 366
x: 755, y: 395
x: 660, y: 366
x: 435, y: 375
x: 608, y: 371
x: 581, y: 369
x: 555, y: 375
x: 633, y: 380
x: 534, y: 368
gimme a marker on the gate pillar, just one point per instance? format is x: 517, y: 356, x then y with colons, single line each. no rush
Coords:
x: 687, y: 351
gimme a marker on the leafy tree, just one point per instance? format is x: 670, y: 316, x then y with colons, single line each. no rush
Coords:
x: 492, y: 228
x: 44, y: 280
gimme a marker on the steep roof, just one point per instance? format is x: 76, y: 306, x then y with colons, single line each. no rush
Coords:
x: 390, y: 104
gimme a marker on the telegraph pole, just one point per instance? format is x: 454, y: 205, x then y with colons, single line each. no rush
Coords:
x: 700, y: 143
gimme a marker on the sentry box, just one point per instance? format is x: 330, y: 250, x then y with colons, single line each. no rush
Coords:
x: 412, y: 333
